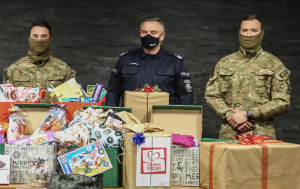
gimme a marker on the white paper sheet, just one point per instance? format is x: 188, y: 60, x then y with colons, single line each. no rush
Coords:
x: 161, y: 160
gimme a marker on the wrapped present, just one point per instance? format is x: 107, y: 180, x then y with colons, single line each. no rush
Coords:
x: 41, y: 138
x: 272, y: 164
x: 89, y: 160
x: 39, y: 173
x: 185, y: 166
x: 2, y: 97
x: 4, y: 169
x: 68, y: 89
x: 17, y: 124
x: 141, y: 103
x: 54, y: 120
x: 151, y: 159
x: 179, y: 119
x: 19, y: 159
x: 90, y: 90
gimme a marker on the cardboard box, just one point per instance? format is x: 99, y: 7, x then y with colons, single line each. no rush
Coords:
x: 69, y: 89
x: 113, y: 178
x: 141, y: 103
x: 19, y: 159
x: 130, y: 161
x: 235, y: 166
x: 4, y: 169
x: 179, y: 119
x: 185, y: 166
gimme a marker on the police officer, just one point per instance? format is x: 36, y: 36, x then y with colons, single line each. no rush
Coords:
x: 250, y: 87
x: 39, y: 69
x: 151, y: 65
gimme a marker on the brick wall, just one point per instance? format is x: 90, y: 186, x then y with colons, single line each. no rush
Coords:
x: 90, y: 35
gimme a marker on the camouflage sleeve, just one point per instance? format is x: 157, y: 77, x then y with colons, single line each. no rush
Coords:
x: 280, y: 97
x: 70, y: 74
x: 7, y: 76
x: 213, y: 96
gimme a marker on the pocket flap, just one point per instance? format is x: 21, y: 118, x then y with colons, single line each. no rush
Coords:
x: 263, y: 72
x: 55, y: 76
x: 23, y: 78
x: 227, y: 71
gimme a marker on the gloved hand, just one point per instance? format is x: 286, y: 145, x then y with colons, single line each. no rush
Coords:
x: 184, y: 140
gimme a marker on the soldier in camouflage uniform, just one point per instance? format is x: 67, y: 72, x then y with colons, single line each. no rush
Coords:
x: 39, y: 68
x: 250, y: 87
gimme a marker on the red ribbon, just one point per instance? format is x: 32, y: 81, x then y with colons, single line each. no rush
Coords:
x: 147, y: 89
x: 246, y: 139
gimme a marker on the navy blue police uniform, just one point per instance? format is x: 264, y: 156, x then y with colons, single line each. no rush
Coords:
x: 135, y: 69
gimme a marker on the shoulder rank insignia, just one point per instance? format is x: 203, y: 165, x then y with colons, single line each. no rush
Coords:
x: 178, y: 56
x: 123, y: 53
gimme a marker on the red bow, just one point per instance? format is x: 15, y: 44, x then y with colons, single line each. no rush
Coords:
x: 146, y: 89
x: 250, y: 138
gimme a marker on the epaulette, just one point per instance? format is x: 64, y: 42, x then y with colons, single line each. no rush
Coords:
x: 128, y: 52
x: 176, y: 55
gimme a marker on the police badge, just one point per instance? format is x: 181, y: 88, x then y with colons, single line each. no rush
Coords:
x: 188, y: 86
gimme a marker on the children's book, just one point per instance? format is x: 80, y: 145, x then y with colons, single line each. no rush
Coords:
x: 89, y: 160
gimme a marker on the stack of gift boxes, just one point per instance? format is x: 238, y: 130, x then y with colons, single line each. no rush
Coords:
x: 146, y: 143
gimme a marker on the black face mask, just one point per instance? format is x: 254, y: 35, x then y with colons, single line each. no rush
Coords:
x: 149, y: 42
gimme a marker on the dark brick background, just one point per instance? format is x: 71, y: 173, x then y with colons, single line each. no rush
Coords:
x: 90, y: 35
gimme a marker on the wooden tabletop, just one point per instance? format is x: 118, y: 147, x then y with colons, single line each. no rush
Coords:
x: 13, y: 186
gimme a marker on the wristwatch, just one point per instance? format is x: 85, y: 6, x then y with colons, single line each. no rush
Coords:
x: 249, y: 114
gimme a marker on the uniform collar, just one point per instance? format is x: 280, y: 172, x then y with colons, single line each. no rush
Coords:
x: 155, y: 56
x: 251, y: 54
x: 42, y: 62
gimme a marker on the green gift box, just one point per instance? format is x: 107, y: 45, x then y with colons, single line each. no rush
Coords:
x: 113, y: 178
x: 1, y: 149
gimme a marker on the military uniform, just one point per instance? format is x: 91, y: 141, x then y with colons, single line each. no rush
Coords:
x: 258, y: 81
x: 135, y: 68
x: 51, y: 70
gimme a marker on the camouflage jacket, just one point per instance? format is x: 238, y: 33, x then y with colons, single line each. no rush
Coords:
x: 258, y: 81
x: 26, y: 74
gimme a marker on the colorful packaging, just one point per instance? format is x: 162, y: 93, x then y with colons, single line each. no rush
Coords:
x: 82, y: 100
x: 54, y: 120
x: 28, y: 95
x: 89, y: 160
x: 97, y: 92
x: 83, y: 92
x: 1, y: 138
x: 4, y: 169
x: 103, y: 93
x: 3, y: 127
x: 50, y: 91
x: 12, y: 94
x: 35, y: 139
x: 3, y: 86
x: 17, y: 125
x: 90, y: 90
x: 2, y: 97
x: 68, y: 89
